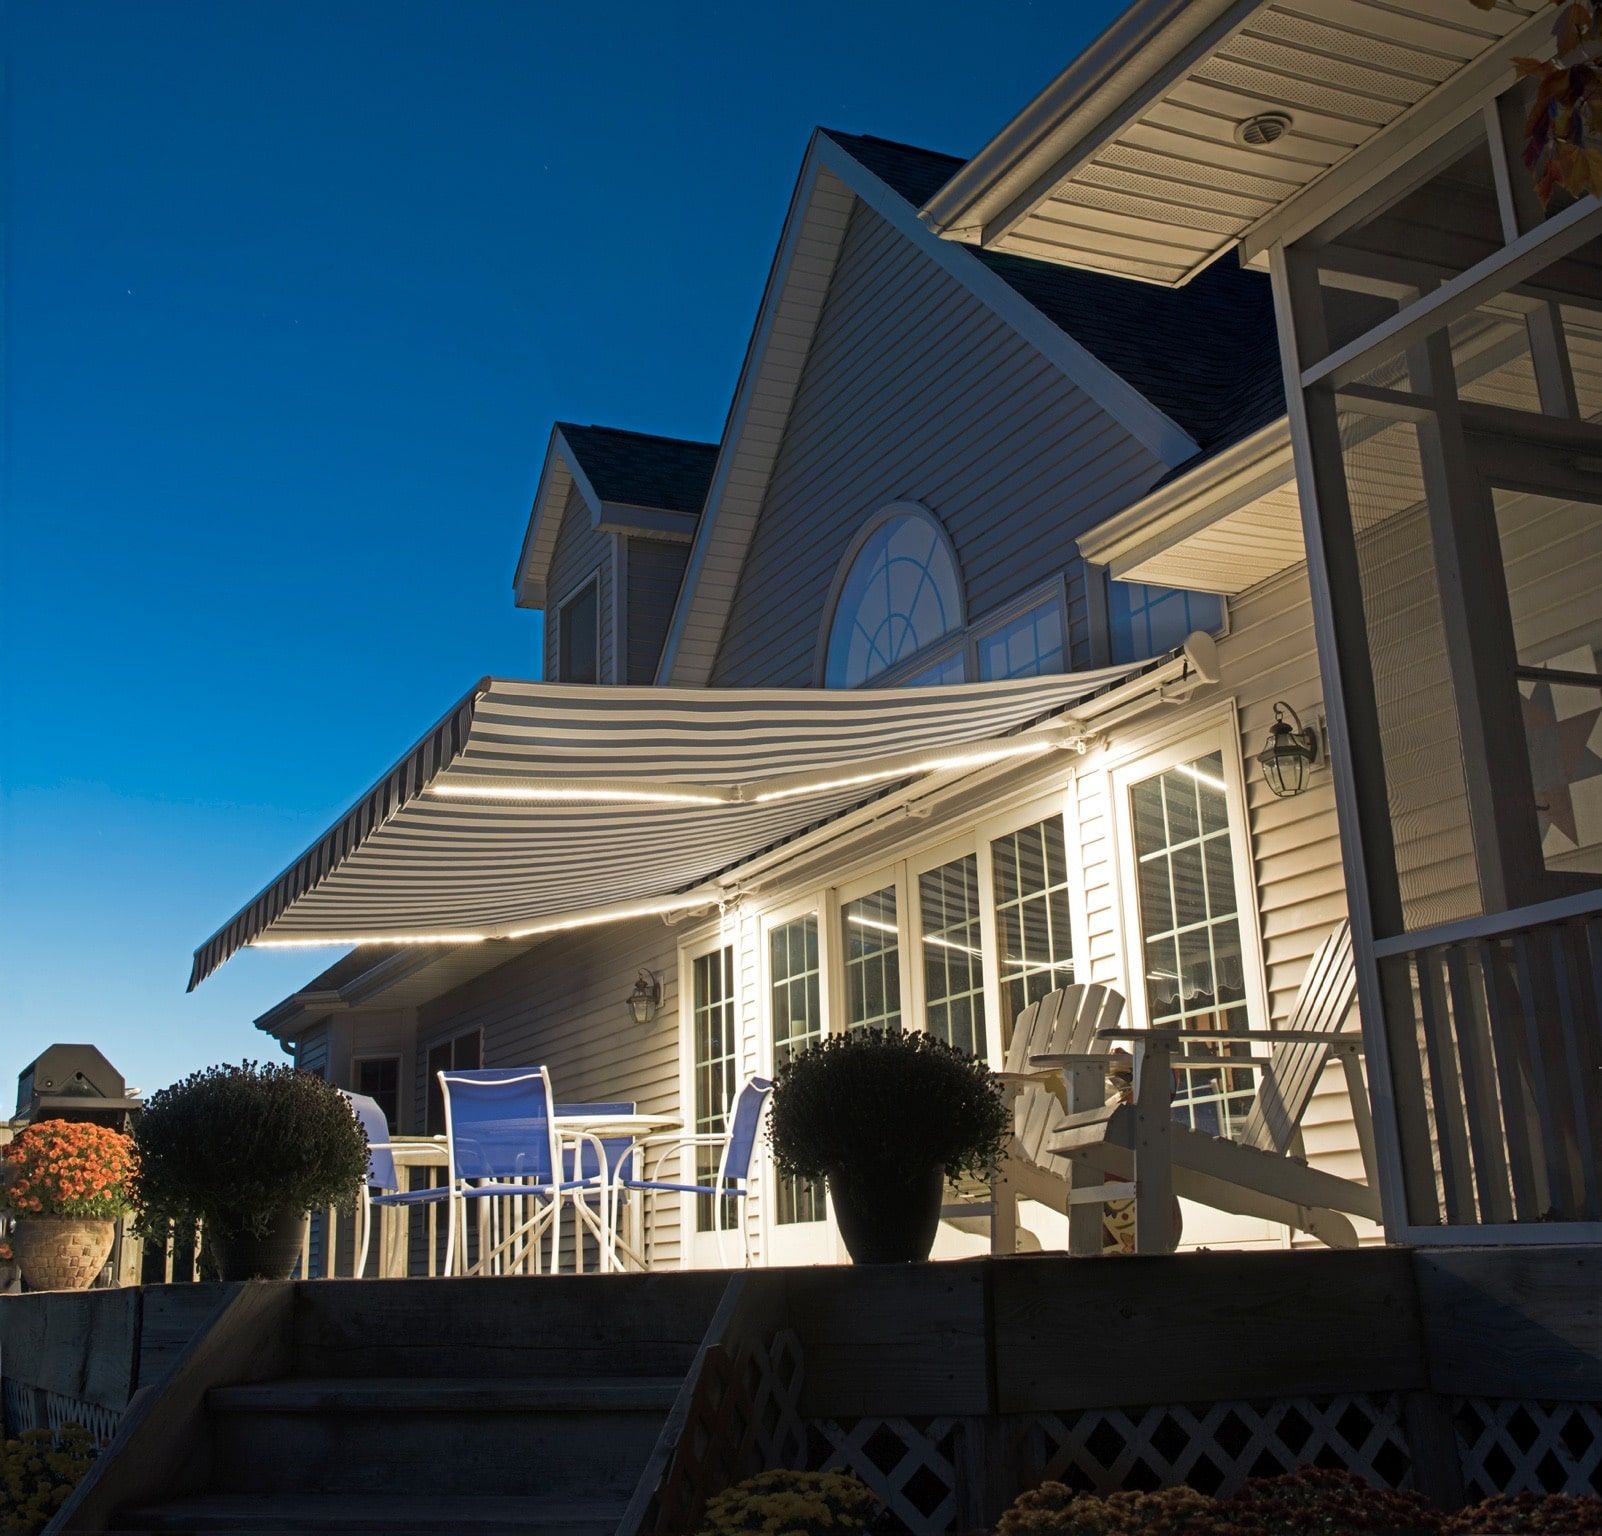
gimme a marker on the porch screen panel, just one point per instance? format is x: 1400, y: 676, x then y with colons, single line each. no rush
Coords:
x: 1029, y: 873
x: 1190, y: 931
x: 796, y: 1006
x: 953, y: 961
x: 1552, y: 559
x: 1425, y: 783
x: 712, y: 1028
x: 871, y: 947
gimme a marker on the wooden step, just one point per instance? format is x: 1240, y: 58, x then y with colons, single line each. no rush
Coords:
x: 508, y: 1326
x: 445, y: 1436
x: 433, y: 1394
x: 395, y: 1515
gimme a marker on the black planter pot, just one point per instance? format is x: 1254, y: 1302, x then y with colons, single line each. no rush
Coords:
x: 271, y: 1256
x: 887, y: 1221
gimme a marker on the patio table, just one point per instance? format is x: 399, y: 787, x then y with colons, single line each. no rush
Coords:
x: 429, y: 1152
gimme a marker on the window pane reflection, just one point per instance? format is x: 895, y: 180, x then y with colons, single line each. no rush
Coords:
x: 1195, y: 975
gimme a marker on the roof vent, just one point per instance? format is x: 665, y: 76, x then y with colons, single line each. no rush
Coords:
x: 1265, y: 128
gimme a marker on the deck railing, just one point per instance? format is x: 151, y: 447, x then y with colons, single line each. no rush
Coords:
x: 1501, y: 1125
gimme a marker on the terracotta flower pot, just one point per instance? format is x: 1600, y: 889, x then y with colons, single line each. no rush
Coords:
x: 62, y: 1253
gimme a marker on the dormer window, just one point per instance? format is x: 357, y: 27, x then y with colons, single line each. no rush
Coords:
x: 578, y: 642
x: 900, y: 595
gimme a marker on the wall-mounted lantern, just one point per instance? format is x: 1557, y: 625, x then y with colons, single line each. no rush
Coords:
x: 646, y: 997
x: 1289, y: 754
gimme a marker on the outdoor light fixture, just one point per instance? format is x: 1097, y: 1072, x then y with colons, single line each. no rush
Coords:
x: 646, y: 997
x: 1290, y: 751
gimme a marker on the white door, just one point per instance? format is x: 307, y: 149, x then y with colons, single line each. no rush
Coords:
x: 795, y: 954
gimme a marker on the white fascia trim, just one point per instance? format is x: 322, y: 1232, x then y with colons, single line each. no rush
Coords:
x: 1152, y: 428
x: 1137, y: 58
x: 745, y: 390
x: 1225, y: 483
x: 560, y: 471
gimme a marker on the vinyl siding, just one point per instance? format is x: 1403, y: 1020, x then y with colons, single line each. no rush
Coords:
x: 581, y: 552
x: 912, y: 390
x: 311, y: 1050
x: 654, y: 571
x: 560, y: 1005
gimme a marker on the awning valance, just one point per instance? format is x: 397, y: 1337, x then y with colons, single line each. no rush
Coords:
x: 534, y: 806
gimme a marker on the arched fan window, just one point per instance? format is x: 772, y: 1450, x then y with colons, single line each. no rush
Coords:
x: 900, y: 594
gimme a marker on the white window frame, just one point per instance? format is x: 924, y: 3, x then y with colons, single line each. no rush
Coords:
x: 1219, y: 733
x: 699, y: 1250
x: 886, y: 877
x: 927, y: 654
x: 1106, y: 577
x: 446, y: 1037
x: 798, y: 1242
x: 1063, y: 804
x: 948, y: 851
x: 399, y: 1058
x: 1054, y: 588
x: 573, y: 594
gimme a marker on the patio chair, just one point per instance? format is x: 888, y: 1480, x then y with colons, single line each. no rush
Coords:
x: 732, y: 1180
x: 1063, y: 1023
x: 1140, y: 1144
x: 501, y: 1144
x: 383, y: 1184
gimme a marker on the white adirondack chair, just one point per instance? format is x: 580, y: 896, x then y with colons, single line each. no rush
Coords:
x: 1138, y: 1149
x: 1061, y: 1023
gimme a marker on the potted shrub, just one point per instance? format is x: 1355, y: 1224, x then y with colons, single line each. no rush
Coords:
x: 886, y: 1117
x: 248, y: 1151
x: 66, y: 1182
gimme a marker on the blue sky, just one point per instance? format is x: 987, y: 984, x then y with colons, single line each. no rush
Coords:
x: 292, y: 295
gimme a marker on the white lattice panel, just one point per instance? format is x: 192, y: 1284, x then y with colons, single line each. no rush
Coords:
x: 18, y: 1406
x: 1215, y: 1447
x: 1514, y: 1445
x: 60, y: 1411
x: 24, y: 1407
x: 910, y: 1464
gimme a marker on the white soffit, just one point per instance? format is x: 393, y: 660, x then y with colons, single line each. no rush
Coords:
x: 1224, y: 527
x: 1159, y: 186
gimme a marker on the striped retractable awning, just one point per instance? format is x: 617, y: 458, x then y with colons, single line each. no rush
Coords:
x: 534, y: 805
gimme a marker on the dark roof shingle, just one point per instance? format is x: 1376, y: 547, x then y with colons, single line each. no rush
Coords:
x: 639, y: 470
x: 1207, y: 354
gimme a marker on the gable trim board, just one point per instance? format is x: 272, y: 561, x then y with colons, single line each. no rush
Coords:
x: 831, y: 178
